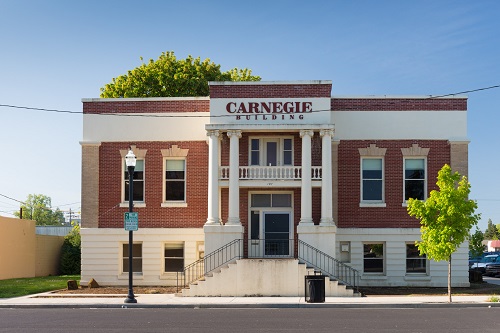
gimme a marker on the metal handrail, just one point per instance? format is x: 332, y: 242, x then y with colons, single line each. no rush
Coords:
x: 328, y: 265
x: 209, y: 263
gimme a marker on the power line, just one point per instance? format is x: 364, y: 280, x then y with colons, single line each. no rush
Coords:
x: 199, y: 116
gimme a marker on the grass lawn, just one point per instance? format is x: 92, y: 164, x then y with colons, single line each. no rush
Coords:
x: 27, y: 286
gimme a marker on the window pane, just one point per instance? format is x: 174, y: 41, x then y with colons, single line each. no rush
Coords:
x: 255, y: 225
x: 287, y: 144
x: 175, y: 190
x: 138, y: 190
x: 415, y: 263
x: 372, y: 190
x: 255, y: 158
x: 255, y: 144
x: 175, y: 165
x: 174, y: 175
x: 282, y: 200
x: 414, y: 189
x: 372, y: 164
x: 174, y: 264
x: 373, y: 258
x: 287, y: 158
x: 414, y: 164
x: 261, y: 200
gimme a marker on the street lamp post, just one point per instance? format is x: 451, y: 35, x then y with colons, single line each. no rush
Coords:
x: 130, y: 162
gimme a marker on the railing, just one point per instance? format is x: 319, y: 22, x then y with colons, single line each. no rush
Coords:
x: 202, y: 267
x: 328, y: 265
x: 270, y: 172
x: 270, y: 248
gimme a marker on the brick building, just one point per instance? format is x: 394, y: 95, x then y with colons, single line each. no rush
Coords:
x: 315, y: 175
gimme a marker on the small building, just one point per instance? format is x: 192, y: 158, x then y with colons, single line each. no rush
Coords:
x: 283, y: 173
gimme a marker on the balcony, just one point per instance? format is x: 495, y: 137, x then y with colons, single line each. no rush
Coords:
x: 256, y: 172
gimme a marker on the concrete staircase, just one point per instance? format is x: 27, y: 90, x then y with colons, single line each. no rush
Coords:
x: 262, y: 277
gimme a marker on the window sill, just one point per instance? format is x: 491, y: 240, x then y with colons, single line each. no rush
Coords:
x: 124, y: 276
x: 170, y: 275
x: 375, y: 276
x: 417, y: 277
x: 174, y: 204
x: 136, y: 204
x: 372, y: 205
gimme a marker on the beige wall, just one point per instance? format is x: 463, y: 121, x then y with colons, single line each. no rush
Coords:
x: 17, y: 248
x: 48, y: 253
x: 25, y: 254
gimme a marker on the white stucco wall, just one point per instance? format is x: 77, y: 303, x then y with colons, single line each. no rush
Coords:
x: 395, y: 241
x: 102, y: 257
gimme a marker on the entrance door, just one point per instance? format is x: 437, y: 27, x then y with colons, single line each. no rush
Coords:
x: 277, y: 240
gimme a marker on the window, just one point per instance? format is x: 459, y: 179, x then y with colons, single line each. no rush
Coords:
x: 136, y: 258
x: 415, y: 263
x: 373, y: 258
x: 415, y: 178
x: 372, y: 184
x: 175, y: 180
x: 138, y: 194
x: 174, y: 257
x: 271, y: 151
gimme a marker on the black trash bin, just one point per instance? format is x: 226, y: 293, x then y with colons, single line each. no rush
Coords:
x: 315, y: 288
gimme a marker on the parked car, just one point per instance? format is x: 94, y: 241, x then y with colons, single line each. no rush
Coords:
x: 486, y: 261
x: 493, y: 268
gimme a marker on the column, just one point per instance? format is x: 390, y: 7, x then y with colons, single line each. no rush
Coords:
x: 326, y: 179
x: 234, y: 179
x: 213, y: 177
x: 306, y: 188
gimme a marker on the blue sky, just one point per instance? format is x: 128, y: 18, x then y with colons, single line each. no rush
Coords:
x: 54, y: 53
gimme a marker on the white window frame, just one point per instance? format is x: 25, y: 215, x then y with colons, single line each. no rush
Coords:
x: 372, y: 203
x: 414, y: 258
x: 174, y: 243
x: 262, y: 149
x: 424, y: 158
x: 173, y: 203
x: 124, y: 256
x: 137, y: 203
x: 384, y: 257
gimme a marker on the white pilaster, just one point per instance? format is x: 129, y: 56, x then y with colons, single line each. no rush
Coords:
x: 306, y: 188
x: 234, y: 186
x: 326, y: 179
x: 213, y: 177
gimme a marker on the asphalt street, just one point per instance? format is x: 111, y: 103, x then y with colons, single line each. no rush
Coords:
x: 443, y: 320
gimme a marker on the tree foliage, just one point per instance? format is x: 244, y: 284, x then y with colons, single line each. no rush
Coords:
x: 169, y: 77
x: 492, y: 232
x: 70, y: 262
x: 38, y: 207
x: 476, y: 247
x: 446, y: 217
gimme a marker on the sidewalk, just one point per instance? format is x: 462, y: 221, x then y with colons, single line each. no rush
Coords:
x: 54, y: 300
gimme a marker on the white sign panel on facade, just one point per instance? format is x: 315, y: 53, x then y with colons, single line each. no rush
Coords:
x: 267, y: 111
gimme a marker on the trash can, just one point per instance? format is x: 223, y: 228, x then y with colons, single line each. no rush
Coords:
x: 315, y: 288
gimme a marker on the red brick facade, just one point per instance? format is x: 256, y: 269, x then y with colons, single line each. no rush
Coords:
x: 270, y: 91
x: 398, y: 104
x: 153, y: 215
x: 154, y: 106
x: 394, y: 215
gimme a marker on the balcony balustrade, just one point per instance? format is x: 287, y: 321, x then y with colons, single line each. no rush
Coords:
x: 256, y: 172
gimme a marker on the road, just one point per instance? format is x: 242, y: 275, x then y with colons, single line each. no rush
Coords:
x: 443, y: 320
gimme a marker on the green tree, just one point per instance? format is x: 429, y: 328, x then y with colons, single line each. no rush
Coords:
x: 446, y: 217
x: 491, y: 232
x: 476, y: 247
x: 170, y: 77
x: 38, y: 207
x: 71, y: 253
